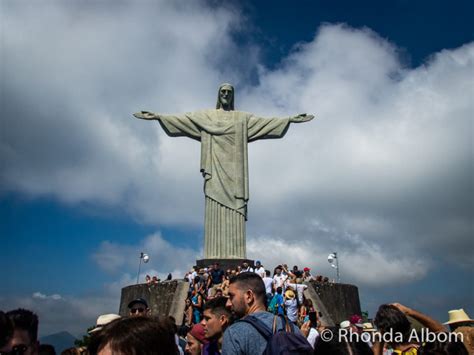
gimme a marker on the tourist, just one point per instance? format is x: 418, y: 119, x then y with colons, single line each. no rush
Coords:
x: 299, y: 289
x: 389, y: 319
x: 135, y: 335
x: 296, y: 272
x: 182, y: 333
x: 6, y: 332
x: 277, y: 303
x: 188, y: 312
x: 138, y: 308
x: 216, y: 319
x: 458, y: 318
x: 425, y: 320
x: 102, y: 321
x: 195, y: 340
x: 259, y: 269
x: 305, y: 308
x: 148, y: 279
x: 307, y: 274
x: 291, y: 305
x: 197, y: 304
x: 216, y: 279
x: 172, y: 324
x: 246, y: 267
x: 279, y: 278
x: 155, y: 280
x: 247, y: 298
x: 310, y: 328
x: 268, y: 282
x: 225, y: 284
x: 25, y: 332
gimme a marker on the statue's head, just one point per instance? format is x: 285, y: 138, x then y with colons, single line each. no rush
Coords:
x: 225, y: 97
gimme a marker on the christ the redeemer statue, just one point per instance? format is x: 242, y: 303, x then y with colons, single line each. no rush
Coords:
x: 224, y: 134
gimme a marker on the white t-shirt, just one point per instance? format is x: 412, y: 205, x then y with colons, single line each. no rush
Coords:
x: 299, y: 288
x: 291, y: 309
x: 249, y: 269
x: 260, y: 271
x: 268, y: 281
x: 279, y: 281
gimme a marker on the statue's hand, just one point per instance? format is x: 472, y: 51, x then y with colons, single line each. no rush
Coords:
x: 145, y: 115
x: 302, y: 117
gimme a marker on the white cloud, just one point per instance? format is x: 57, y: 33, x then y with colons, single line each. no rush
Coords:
x: 42, y: 296
x: 164, y: 258
x: 360, y: 263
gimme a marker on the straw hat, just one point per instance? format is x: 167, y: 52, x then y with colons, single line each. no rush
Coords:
x: 458, y: 315
x: 103, y: 320
x: 290, y: 294
x: 368, y: 327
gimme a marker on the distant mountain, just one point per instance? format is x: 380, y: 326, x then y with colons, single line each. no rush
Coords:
x: 60, y: 341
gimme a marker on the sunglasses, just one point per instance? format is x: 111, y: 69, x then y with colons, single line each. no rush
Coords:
x: 16, y: 350
x: 135, y: 310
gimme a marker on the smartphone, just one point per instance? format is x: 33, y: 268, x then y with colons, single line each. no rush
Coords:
x: 313, y: 319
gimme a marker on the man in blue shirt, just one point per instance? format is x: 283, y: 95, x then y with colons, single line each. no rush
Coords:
x: 247, y: 297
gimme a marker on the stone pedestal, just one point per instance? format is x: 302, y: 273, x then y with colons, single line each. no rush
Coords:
x: 165, y: 298
x: 224, y: 264
x: 336, y: 302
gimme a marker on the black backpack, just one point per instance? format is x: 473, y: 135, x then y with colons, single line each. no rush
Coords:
x: 280, y: 342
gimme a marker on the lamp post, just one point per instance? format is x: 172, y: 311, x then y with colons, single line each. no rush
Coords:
x: 331, y: 258
x: 145, y: 259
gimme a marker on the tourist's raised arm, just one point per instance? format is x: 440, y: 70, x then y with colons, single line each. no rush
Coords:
x: 145, y: 115
x: 302, y: 117
x: 425, y: 320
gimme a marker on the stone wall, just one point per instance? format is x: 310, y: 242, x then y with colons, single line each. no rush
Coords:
x: 165, y: 298
x: 336, y: 302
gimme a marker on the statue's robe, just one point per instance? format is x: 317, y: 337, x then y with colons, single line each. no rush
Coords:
x: 224, y: 164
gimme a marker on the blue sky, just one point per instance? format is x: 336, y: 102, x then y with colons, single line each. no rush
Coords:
x: 384, y: 174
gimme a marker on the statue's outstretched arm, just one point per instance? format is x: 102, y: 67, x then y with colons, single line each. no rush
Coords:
x: 145, y: 115
x: 302, y: 117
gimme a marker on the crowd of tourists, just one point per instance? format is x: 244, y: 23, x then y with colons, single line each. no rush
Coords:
x: 284, y: 289
x: 250, y: 311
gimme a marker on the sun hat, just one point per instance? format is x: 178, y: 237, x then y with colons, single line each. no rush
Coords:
x: 103, y: 320
x: 290, y: 294
x: 368, y: 327
x: 457, y: 316
x: 345, y: 324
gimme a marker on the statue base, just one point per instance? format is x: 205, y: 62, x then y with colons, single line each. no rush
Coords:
x: 166, y: 298
x: 224, y: 264
x: 334, y: 302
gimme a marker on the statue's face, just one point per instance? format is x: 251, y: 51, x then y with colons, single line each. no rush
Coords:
x: 225, y: 95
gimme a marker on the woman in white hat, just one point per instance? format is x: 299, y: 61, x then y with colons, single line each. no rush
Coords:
x: 458, y: 318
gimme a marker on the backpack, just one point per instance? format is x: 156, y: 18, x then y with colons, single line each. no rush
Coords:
x: 273, y: 307
x: 280, y: 342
